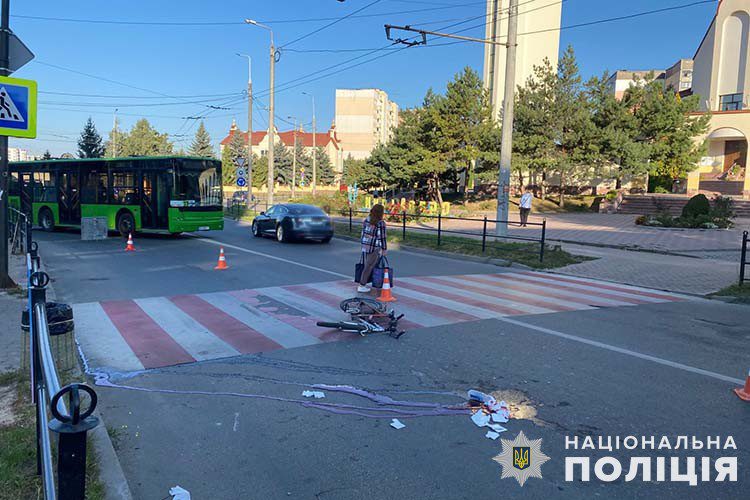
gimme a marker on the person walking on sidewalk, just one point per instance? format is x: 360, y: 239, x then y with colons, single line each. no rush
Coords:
x: 373, y: 244
x: 524, y: 205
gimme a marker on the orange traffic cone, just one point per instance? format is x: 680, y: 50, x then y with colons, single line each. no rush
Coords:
x: 744, y: 392
x: 130, y: 247
x: 222, y: 264
x: 385, y: 293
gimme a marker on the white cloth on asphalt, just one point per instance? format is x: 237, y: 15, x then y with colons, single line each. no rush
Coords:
x: 179, y: 493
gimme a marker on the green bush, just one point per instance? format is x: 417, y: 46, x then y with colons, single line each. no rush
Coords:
x: 640, y: 220
x: 697, y: 205
x: 336, y: 204
x: 723, y: 207
x: 611, y: 195
x: 661, y: 190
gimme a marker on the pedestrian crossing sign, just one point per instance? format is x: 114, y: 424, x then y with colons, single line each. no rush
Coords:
x: 18, y: 107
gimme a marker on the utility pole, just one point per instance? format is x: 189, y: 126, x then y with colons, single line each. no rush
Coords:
x: 5, y: 281
x: 315, y: 147
x: 506, y: 144
x: 271, y: 128
x: 506, y: 141
x: 294, y: 159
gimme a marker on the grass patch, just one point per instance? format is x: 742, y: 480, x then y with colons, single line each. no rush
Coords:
x: 18, y: 477
x: 742, y: 293
x: 243, y: 213
x: 521, y: 253
x: 576, y: 203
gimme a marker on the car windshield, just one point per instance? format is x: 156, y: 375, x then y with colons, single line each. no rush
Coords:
x: 197, y: 185
x: 304, y: 210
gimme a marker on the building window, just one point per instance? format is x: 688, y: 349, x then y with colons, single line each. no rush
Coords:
x: 731, y: 102
x: 687, y: 74
x: 684, y: 85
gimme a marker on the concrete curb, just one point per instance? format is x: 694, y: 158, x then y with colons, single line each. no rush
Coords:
x: 449, y: 255
x: 110, y: 470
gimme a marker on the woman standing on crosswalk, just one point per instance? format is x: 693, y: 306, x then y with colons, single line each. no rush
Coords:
x: 374, y: 244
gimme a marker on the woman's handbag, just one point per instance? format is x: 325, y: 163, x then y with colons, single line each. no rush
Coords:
x: 378, y: 274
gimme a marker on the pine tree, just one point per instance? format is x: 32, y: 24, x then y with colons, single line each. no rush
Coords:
x: 90, y: 142
x: 201, y: 146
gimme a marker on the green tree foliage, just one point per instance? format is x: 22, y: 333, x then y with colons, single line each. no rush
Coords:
x: 237, y: 148
x: 90, y: 142
x: 554, y: 131
x: 357, y: 172
x: 144, y: 140
x: 618, y: 130
x: 669, y: 130
x: 47, y: 155
x: 201, y: 145
x: 324, y: 174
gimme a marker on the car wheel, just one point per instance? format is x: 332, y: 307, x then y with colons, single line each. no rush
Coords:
x: 281, y: 235
x: 256, y: 230
x: 125, y: 224
x: 327, y: 239
x: 46, y: 220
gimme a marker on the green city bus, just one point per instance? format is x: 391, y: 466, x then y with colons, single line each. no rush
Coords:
x: 150, y: 194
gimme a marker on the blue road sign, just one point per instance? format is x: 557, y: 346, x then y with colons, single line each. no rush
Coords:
x: 17, y: 107
x: 241, y: 182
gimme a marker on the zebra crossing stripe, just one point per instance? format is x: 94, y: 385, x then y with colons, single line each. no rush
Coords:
x: 102, y: 345
x: 603, y: 285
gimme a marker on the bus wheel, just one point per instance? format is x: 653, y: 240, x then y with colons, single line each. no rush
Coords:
x: 125, y: 224
x: 46, y: 220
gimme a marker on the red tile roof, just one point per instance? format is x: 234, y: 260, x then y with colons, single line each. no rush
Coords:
x: 257, y: 137
x: 287, y: 138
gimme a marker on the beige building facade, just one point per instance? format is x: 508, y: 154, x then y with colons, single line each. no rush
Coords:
x: 364, y: 119
x: 532, y: 49
x: 721, y: 77
x: 621, y: 80
x: 680, y: 76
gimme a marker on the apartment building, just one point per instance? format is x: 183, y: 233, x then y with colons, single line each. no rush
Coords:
x: 364, y: 119
x: 621, y: 80
x: 680, y: 76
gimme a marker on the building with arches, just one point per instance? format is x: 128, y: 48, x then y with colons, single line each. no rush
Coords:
x: 721, y: 76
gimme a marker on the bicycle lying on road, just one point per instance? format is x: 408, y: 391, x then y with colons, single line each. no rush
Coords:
x: 367, y: 316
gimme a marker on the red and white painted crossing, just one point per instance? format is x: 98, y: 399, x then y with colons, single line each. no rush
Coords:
x: 132, y: 335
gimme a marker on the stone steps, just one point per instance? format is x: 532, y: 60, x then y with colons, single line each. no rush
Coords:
x: 652, y: 204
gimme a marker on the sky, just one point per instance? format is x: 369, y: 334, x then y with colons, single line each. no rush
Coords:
x: 170, y: 73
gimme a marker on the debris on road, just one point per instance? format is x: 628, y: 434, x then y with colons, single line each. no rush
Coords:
x: 488, y: 412
x: 313, y: 394
x: 179, y: 493
x: 396, y: 424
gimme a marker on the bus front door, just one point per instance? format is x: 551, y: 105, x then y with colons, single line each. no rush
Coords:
x: 27, y: 193
x: 154, y: 201
x: 69, y: 199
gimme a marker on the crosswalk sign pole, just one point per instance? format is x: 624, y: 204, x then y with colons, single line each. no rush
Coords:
x: 5, y: 281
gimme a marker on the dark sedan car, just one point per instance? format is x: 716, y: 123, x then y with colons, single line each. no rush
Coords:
x: 288, y: 222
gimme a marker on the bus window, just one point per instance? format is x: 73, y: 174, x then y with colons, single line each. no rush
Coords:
x: 124, y: 189
x: 197, y: 186
x: 94, y: 187
x: 44, y: 187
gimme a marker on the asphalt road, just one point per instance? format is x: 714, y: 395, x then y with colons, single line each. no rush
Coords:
x: 238, y: 428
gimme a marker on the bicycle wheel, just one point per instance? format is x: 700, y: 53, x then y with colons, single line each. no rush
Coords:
x: 362, y: 306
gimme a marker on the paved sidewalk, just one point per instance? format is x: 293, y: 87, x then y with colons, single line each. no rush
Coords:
x: 11, y: 306
x: 664, y: 272
x: 619, y: 230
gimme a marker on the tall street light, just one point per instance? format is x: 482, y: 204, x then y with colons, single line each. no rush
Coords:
x: 249, y: 128
x: 294, y: 158
x: 271, y: 127
x: 315, y: 149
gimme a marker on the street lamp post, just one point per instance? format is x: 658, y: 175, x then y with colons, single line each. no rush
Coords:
x: 315, y: 148
x: 271, y: 127
x: 249, y: 128
x: 294, y: 157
